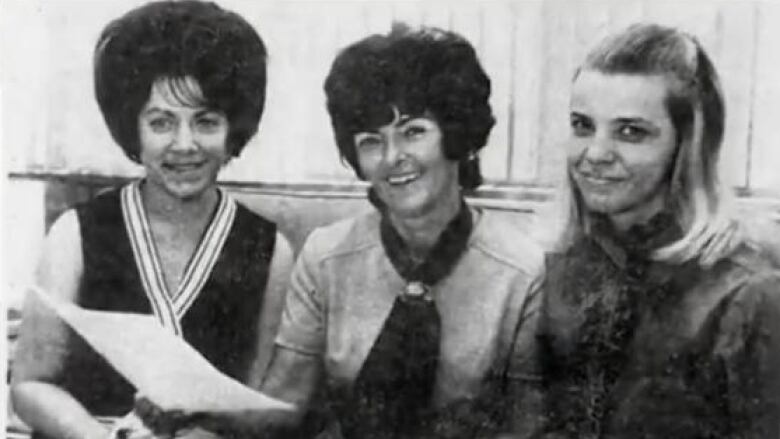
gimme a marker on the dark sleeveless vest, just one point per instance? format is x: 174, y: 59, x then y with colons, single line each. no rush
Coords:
x: 221, y: 323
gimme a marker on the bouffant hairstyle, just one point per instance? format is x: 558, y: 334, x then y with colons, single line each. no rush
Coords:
x: 175, y: 40
x: 420, y: 72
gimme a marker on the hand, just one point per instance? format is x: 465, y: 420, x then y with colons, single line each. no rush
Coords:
x: 130, y: 427
x: 163, y: 423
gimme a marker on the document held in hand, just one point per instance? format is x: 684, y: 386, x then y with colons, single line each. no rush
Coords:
x: 161, y: 366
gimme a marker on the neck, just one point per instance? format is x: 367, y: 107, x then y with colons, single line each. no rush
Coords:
x: 420, y: 233
x: 161, y: 205
x: 639, y: 215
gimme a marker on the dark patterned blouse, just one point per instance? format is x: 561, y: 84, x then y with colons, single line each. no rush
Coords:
x: 629, y: 348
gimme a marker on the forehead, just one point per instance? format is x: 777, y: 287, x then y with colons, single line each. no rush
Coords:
x: 609, y: 95
x: 398, y: 118
x: 175, y: 94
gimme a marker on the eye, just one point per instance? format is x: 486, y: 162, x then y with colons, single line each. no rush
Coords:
x: 581, y: 126
x: 161, y: 124
x: 209, y: 123
x: 632, y: 133
x: 414, y: 131
x: 367, y: 141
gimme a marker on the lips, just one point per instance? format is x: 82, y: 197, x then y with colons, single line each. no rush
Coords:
x: 403, y: 179
x: 598, y: 179
x: 183, y: 167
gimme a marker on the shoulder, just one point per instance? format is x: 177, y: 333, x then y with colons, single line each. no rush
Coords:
x: 251, y: 230
x: 498, y: 238
x: 247, y: 216
x: 65, y: 231
x: 102, y: 211
x: 344, y: 237
x: 105, y: 200
x: 748, y: 264
x: 283, y: 252
x: 752, y: 281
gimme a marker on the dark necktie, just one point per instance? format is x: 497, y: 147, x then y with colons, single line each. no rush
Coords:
x: 392, y: 393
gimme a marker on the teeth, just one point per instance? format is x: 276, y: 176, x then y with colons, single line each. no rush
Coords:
x: 597, y: 180
x: 184, y: 167
x: 402, y: 179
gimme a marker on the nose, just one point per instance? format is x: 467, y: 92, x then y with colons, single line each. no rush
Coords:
x: 183, y: 140
x: 393, y: 149
x: 599, y: 150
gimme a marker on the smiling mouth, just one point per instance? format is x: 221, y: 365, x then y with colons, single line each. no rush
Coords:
x: 403, y: 179
x: 598, y: 180
x: 182, y: 167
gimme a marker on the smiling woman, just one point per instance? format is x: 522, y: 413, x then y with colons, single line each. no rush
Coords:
x: 181, y: 86
x: 654, y: 319
x: 405, y: 164
x: 623, y: 144
x: 182, y: 141
x: 407, y: 311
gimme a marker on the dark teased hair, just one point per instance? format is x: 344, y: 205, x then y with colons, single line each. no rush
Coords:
x: 173, y: 40
x: 424, y: 71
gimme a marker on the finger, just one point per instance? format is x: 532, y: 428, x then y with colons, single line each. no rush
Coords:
x: 150, y: 414
x: 142, y: 408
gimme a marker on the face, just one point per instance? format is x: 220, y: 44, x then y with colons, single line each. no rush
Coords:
x: 183, y: 146
x: 622, y: 142
x: 405, y: 165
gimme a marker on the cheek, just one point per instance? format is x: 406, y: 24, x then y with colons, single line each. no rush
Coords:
x: 574, y: 149
x: 651, y: 160
x: 214, y: 144
x: 152, y: 144
x: 368, y: 163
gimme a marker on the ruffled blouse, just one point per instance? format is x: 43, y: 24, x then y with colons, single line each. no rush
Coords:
x: 629, y: 347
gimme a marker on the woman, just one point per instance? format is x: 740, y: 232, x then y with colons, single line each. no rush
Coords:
x: 653, y: 321
x: 181, y: 86
x: 399, y: 316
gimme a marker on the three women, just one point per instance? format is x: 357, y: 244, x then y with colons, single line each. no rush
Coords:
x: 652, y: 320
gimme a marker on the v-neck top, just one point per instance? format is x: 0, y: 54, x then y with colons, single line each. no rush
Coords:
x: 167, y: 306
x: 216, y: 308
x: 343, y: 288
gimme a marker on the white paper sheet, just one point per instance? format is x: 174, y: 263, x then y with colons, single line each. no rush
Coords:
x: 162, y: 367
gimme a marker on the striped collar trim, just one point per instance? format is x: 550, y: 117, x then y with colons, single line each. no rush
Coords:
x: 170, y: 308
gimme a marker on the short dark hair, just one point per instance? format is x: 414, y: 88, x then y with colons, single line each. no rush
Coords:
x: 175, y: 39
x: 427, y: 70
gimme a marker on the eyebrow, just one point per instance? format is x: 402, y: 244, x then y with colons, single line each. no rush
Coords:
x: 200, y: 112
x: 155, y: 110
x: 633, y: 120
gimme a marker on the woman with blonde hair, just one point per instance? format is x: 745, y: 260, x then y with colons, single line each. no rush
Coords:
x: 653, y: 320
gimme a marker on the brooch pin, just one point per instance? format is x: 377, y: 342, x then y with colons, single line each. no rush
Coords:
x: 417, y: 290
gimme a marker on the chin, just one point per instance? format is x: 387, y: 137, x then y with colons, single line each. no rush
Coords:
x: 408, y: 207
x: 187, y: 192
x: 604, y: 204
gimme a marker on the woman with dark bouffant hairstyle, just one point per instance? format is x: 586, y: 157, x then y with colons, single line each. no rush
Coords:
x: 655, y: 319
x: 398, y: 318
x: 181, y: 86
x: 431, y: 73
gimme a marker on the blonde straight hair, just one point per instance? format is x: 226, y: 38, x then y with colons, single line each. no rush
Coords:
x: 696, y: 107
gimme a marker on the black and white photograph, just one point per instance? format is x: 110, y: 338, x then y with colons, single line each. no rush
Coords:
x: 390, y: 219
